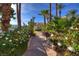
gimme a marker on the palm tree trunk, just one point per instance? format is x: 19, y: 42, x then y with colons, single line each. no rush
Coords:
x: 6, y: 12
x: 44, y: 20
x: 57, y: 9
x: 60, y: 6
x: 60, y: 13
x: 18, y: 7
x: 50, y: 6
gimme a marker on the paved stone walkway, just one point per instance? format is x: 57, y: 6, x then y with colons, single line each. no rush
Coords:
x: 36, y: 47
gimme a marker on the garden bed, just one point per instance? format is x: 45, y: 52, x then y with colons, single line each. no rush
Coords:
x: 14, y: 43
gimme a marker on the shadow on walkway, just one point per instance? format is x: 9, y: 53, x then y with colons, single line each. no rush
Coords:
x: 35, y: 47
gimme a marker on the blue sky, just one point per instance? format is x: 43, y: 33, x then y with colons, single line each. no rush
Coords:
x: 33, y: 9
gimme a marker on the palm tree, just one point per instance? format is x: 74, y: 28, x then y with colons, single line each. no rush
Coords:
x: 18, y: 7
x: 6, y: 14
x: 45, y: 14
x: 57, y: 9
x: 31, y: 26
x: 71, y: 16
x: 0, y: 7
x: 50, y: 9
x: 60, y: 6
x: 72, y: 13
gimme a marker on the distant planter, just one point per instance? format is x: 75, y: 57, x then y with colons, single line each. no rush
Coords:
x: 31, y: 34
x: 46, y: 34
x: 38, y: 29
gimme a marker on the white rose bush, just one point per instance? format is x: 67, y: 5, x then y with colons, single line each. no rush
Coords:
x: 64, y: 36
x: 14, y: 42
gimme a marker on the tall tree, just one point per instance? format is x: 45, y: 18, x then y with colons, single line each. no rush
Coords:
x: 60, y: 6
x: 6, y: 14
x: 31, y: 25
x: 72, y: 14
x: 18, y: 7
x: 0, y: 7
x: 45, y: 14
x: 50, y: 7
x: 57, y: 9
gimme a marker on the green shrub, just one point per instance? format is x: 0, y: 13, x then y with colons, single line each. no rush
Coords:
x: 31, y: 27
x: 65, y: 32
x: 14, y: 43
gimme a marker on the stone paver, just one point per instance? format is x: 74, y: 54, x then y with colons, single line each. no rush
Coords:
x: 35, y: 47
x: 38, y: 47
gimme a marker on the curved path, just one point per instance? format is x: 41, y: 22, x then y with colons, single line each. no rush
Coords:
x: 36, y: 47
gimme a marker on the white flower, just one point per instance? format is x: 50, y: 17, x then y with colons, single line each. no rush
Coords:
x: 7, y: 34
x: 16, y: 45
x: 0, y: 36
x: 20, y: 42
x: 3, y: 44
x: 52, y: 45
x: 52, y: 35
x: 16, y: 39
x: 6, y: 38
x: 13, y: 49
x: 10, y: 40
x: 72, y: 41
x: 18, y: 31
x: 24, y: 40
x: 76, y: 28
x: 59, y: 44
x: 71, y: 27
x: 70, y: 48
x: 66, y: 38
